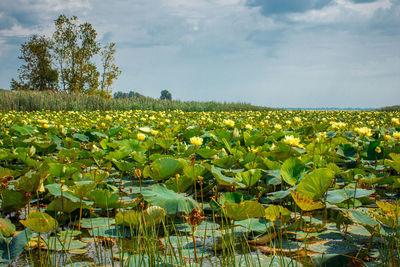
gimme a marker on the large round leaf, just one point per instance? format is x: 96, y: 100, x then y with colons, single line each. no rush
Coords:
x: 6, y: 227
x: 159, y: 195
x: 250, y: 177
x: 305, y: 202
x: 273, y: 213
x: 163, y: 168
x: 244, y: 210
x: 316, y: 183
x: 40, y: 222
x: 292, y: 170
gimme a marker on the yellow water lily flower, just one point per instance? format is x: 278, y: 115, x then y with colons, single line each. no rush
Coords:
x: 364, y: 131
x: 248, y: 127
x: 141, y: 136
x: 396, y: 135
x: 108, y: 118
x: 229, y: 123
x: 197, y: 141
x: 291, y: 140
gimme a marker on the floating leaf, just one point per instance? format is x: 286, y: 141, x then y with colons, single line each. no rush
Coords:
x: 96, y: 222
x: 57, y: 244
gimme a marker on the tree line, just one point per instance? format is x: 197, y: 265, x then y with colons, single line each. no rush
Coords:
x: 66, y: 61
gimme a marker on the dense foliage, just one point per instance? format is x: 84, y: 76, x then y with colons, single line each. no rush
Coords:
x: 391, y: 108
x: 32, y: 101
x: 210, y: 188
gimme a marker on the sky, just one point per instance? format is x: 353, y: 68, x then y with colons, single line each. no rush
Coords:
x: 276, y: 53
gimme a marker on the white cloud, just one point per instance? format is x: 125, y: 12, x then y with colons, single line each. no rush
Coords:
x: 224, y: 50
x: 343, y: 11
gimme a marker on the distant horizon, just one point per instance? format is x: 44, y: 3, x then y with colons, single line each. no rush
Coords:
x: 305, y: 53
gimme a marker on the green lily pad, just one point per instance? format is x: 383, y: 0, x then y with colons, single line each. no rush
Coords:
x: 6, y: 228
x: 255, y: 224
x: 244, y: 210
x: 162, y: 168
x: 316, y: 183
x: 10, y: 250
x: 223, y: 179
x: 292, y: 171
x: 91, y: 223
x: 105, y: 199
x: 262, y: 260
x: 40, y: 222
x: 333, y: 247
x: 58, y: 244
x: 110, y: 231
x: 250, y: 177
x: 172, y: 202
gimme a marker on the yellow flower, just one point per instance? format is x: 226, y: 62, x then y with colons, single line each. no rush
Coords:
x: 396, y: 135
x: 46, y: 126
x: 338, y: 125
x: 395, y: 120
x: 291, y: 140
x: 378, y: 150
x: 42, y: 121
x: 297, y: 120
x: 249, y: 127
x: 277, y: 126
x: 230, y: 123
x: 108, y: 118
x: 364, y: 131
x: 322, y: 135
x: 154, y: 132
x: 387, y: 137
x: 141, y: 136
x: 197, y: 141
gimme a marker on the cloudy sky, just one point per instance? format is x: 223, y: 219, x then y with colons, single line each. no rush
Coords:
x: 279, y: 53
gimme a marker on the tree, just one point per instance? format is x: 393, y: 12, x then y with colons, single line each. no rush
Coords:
x: 110, y: 70
x: 131, y: 94
x: 74, y: 47
x: 37, y: 73
x: 165, y: 95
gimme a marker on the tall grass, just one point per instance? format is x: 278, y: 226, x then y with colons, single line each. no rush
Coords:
x: 32, y: 101
x: 390, y: 108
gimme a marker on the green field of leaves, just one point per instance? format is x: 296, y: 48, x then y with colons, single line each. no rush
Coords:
x: 174, y: 188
